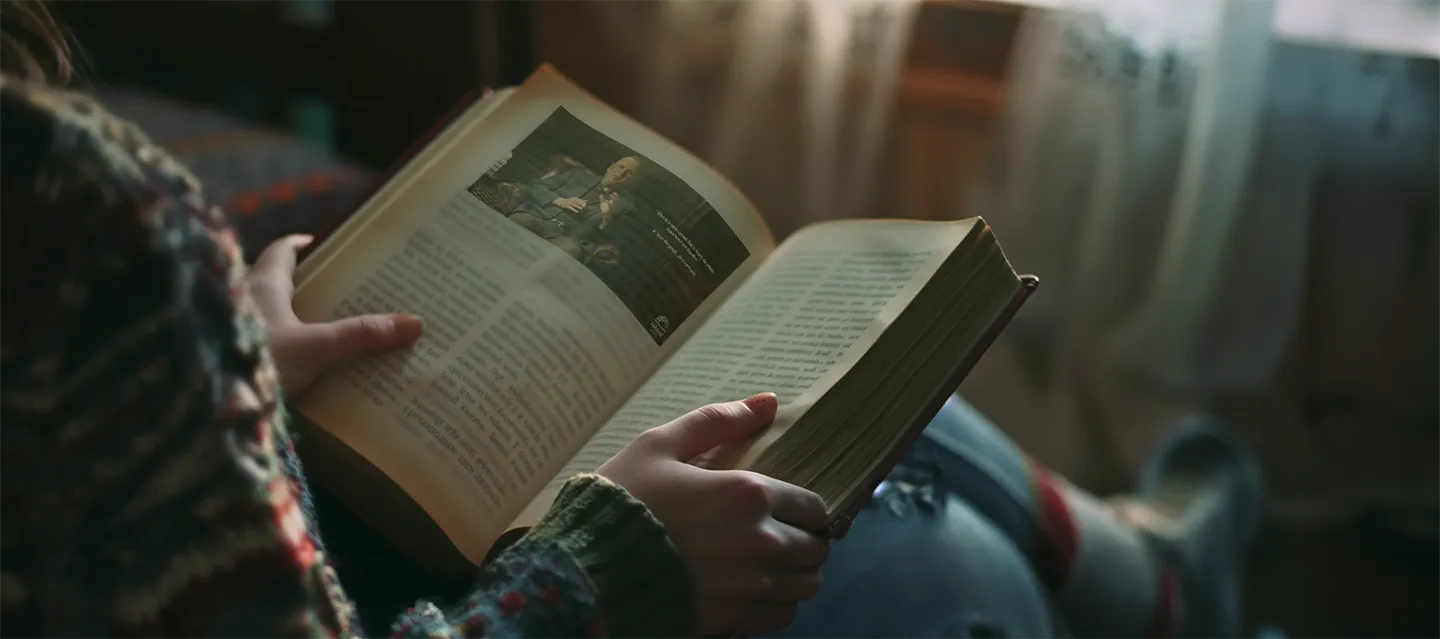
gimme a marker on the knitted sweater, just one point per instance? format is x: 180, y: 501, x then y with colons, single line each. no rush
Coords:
x: 149, y: 485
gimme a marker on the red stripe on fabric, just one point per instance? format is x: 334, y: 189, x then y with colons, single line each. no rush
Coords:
x: 1166, y: 620
x: 267, y: 576
x: 286, y: 191
x: 1059, y: 540
x: 290, y: 563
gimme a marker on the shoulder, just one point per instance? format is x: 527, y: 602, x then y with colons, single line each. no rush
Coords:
x: 137, y: 391
x: 78, y: 176
x: 57, y: 138
x: 584, y: 173
x: 102, y: 232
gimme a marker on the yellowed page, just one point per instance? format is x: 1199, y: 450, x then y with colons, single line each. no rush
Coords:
x: 540, y: 320
x: 379, y: 202
x: 798, y: 325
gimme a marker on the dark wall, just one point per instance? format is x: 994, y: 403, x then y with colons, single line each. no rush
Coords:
x: 367, y: 77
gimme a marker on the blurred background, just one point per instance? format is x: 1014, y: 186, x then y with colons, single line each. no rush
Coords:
x: 1232, y: 205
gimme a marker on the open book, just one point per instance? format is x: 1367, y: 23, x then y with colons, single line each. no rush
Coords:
x: 583, y: 280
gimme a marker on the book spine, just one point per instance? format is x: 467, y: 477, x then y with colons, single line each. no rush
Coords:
x: 841, y: 526
x: 329, y: 227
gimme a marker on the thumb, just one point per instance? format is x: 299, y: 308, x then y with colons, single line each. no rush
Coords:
x: 366, y: 333
x: 272, y: 278
x: 709, y: 426
x: 278, y: 259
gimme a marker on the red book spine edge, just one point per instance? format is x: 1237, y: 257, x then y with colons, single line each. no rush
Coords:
x: 466, y: 101
x: 841, y: 526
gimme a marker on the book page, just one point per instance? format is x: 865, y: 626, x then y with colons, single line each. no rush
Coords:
x: 794, y: 329
x: 558, y: 253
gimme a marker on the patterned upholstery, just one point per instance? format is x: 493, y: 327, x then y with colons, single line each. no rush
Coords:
x: 271, y: 183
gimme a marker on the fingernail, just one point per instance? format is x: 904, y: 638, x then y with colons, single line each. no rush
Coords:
x: 302, y: 241
x: 761, y: 401
x: 405, y: 322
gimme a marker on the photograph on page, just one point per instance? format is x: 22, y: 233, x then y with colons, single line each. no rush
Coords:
x: 646, y: 234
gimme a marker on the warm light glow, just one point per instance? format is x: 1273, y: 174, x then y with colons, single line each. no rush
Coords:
x: 833, y: 42
x: 833, y: 187
x: 824, y: 80
x: 765, y: 29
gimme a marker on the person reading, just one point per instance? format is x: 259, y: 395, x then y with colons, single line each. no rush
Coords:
x: 535, y: 368
x: 151, y: 484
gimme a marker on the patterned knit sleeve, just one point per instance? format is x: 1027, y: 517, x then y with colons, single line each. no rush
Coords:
x: 145, y: 486
x: 141, y: 486
x: 597, y: 565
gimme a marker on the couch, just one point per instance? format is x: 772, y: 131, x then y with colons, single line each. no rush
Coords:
x: 270, y: 182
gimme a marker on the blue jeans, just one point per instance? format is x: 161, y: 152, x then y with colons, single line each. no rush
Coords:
x: 944, y: 560
x: 925, y: 562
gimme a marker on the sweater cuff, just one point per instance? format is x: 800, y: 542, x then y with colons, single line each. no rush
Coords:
x: 643, y: 584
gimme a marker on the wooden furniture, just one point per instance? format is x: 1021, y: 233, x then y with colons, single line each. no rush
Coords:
x: 947, y: 97
x: 365, y: 78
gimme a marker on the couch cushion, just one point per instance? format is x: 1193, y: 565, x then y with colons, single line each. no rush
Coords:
x: 270, y: 182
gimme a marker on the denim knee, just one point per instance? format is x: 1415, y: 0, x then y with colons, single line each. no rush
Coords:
x: 940, y: 570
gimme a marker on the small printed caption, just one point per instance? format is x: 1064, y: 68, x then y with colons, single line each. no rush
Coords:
x: 672, y: 237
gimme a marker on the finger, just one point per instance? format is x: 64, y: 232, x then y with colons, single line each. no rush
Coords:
x: 799, y: 550
x: 707, y: 427
x: 367, y: 333
x: 278, y: 259
x: 765, y: 616
x: 273, y: 275
x: 796, y: 506
x: 793, y: 587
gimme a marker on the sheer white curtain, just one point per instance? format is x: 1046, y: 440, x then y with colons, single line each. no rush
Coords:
x: 828, y: 68
x: 1157, y: 166
x: 1222, y: 221
x: 1127, y: 137
x: 1119, y: 176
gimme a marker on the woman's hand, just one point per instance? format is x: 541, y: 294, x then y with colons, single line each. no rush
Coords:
x: 302, y: 351
x: 746, y: 537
